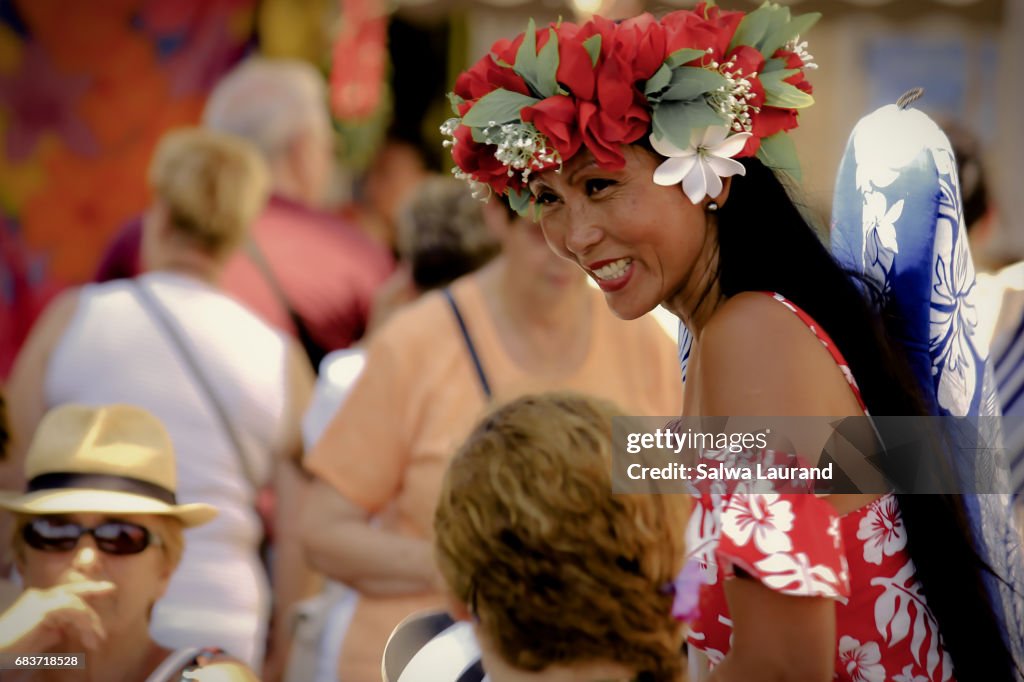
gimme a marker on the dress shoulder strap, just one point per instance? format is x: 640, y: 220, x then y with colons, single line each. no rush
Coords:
x: 826, y: 341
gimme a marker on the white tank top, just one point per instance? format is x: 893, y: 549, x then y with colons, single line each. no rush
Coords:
x: 115, y: 351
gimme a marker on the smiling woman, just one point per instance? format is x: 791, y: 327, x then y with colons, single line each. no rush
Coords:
x: 648, y: 150
x: 612, y: 223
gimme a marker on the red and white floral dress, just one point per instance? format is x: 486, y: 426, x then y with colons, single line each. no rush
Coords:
x: 796, y: 544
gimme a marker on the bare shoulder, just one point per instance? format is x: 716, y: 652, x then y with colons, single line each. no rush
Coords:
x: 757, y: 357
x: 59, y: 312
x: 753, y: 326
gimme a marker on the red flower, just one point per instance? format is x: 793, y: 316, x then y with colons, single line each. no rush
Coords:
x: 701, y: 28
x: 478, y: 160
x: 505, y: 50
x: 486, y: 76
x: 640, y: 41
x: 747, y: 60
x: 602, y: 27
x: 604, y: 134
x: 769, y: 121
x: 575, y: 68
x: 793, y: 61
x: 555, y: 118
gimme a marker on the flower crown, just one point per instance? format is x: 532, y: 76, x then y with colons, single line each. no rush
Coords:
x: 706, y: 85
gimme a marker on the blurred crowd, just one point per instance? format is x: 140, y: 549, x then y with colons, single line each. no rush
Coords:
x: 213, y: 313
x: 251, y: 410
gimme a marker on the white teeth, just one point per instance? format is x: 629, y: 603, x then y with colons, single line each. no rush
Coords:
x: 613, y: 270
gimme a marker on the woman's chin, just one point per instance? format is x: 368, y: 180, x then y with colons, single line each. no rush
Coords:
x: 627, y: 307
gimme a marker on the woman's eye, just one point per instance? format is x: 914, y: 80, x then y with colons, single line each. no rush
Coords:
x: 546, y: 198
x: 595, y: 185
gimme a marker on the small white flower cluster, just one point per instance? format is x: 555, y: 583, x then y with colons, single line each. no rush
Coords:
x: 480, y: 190
x: 733, y: 98
x: 521, y: 147
x: 448, y: 129
x: 799, y: 48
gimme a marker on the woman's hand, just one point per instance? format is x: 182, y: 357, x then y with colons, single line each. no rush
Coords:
x: 40, y: 619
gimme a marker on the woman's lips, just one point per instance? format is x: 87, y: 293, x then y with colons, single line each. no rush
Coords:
x: 612, y: 274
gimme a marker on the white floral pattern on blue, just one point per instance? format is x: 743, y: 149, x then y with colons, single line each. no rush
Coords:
x: 887, y: 161
x: 956, y: 360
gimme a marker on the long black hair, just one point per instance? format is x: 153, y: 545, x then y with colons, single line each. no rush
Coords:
x: 765, y: 243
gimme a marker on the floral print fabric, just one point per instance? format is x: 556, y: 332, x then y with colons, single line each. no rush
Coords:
x: 796, y: 544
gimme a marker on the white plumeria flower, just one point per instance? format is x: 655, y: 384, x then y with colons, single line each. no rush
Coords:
x: 701, y: 166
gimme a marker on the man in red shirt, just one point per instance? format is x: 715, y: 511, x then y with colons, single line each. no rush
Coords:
x: 305, y: 271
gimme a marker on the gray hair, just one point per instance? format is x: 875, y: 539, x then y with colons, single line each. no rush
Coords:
x: 269, y: 102
x: 441, y: 232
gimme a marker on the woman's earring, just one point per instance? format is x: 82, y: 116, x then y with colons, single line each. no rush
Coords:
x: 712, y: 207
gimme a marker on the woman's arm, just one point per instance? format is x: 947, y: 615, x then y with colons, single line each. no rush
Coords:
x: 26, y: 399
x: 293, y: 577
x: 758, y: 359
x: 341, y: 542
x: 776, y: 637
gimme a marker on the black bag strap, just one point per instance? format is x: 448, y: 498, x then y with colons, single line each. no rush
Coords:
x: 163, y: 319
x: 481, y: 375
x: 314, y: 351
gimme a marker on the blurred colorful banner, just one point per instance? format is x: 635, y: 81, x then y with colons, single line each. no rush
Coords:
x: 86, y: 90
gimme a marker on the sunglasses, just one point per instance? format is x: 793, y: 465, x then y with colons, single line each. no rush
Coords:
x: 119, y: 538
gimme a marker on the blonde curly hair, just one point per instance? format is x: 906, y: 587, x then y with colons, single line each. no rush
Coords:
x: 558, y: 570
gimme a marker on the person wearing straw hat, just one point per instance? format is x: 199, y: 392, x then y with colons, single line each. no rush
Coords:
x: 98, y: 534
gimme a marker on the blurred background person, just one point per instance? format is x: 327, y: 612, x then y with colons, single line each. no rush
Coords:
x: 525, y: 322
x: 1001, y: 317
x: 229, y: 388
x: 98, y: 535
x: 394, y: 173
x: 560, y: 578
x: 441, y: 237
x: 303, y: 269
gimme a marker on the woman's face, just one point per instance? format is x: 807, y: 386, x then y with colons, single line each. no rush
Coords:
x: 139, y: 579
x: 524, y: 247
x: 643, y: 244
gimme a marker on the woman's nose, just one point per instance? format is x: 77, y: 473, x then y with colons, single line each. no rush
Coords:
x: 583, y: 234
x: 87, y: 556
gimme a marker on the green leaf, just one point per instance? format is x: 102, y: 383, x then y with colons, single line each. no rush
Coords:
x: 497, y: 107
x: 519, y: 201
x: 674, y: 120
x: 791, y: 29
x: 690, y: 82
x: 455, y: 101
x: 756, y: 25
x: 779, y: 152
x: 772, y: 65
x: 547, y: 66
x: 659, y: 81
x: 526, y: 57
x: 778, y: 93
x: 680, y: 57
x: 769, y: 79
x: 593, y: 47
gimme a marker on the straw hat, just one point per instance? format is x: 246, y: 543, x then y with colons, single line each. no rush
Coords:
x: 115, y: 459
